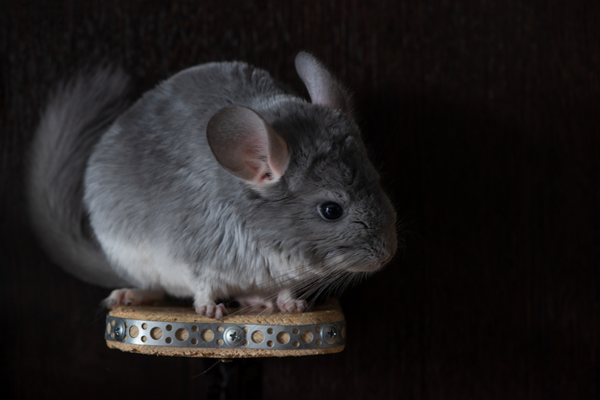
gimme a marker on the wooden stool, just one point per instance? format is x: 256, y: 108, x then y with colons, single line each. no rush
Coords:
x: 179, y: 331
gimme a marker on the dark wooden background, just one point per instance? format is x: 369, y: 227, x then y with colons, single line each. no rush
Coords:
x: 483, y: 117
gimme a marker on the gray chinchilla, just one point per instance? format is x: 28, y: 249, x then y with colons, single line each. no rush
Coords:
x: 217, y: 183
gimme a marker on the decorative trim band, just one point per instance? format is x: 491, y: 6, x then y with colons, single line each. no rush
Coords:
x: 222, y: 336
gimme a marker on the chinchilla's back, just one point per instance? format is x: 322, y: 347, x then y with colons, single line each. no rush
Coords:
x: 75, y: 118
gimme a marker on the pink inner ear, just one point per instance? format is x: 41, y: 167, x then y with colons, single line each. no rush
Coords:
x: 246, y: 145
x: 258, y: 169
x: 253, y: 152
x: 278, y: 153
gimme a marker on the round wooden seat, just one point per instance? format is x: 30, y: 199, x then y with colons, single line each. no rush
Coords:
x: 179, y: 331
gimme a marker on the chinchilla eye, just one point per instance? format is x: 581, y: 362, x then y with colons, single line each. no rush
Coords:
x: 331, y: 211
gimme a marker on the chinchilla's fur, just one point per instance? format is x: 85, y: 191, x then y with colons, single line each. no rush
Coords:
x: 209, y: 186
x: 73, y: 122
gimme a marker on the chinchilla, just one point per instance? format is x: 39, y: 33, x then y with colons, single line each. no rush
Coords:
x: 218, y: 183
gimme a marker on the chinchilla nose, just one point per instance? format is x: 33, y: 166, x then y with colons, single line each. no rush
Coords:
x: 388, y: 236
x: 390, y: 245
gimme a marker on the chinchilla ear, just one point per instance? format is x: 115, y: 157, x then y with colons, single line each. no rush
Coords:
x: 322, y: 87
x: 246, y: 145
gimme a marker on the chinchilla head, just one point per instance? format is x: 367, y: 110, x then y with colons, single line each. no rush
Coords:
x: 314, y: 197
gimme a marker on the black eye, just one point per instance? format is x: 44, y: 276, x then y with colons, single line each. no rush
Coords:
x: 331, y: 211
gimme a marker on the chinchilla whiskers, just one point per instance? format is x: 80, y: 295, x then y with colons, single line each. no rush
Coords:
x: 310, y: 285
x: 331, y: 279
x: 299, y: 273
x: 340, y: 283
x: 335, y: 284
x: 312, y: 289
x: 317, y: 287
x: 332, y: 285
x: 305, y: 283
x: 306, y: 278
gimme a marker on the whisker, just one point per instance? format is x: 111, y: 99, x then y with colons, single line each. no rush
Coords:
x: 306, y: 283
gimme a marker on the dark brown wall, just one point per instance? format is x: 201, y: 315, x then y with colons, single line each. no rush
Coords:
x: 483, y: 117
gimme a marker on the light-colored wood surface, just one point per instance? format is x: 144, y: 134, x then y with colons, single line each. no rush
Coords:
x: 330, y: 311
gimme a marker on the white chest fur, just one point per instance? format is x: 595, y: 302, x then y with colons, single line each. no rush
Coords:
x: 149, y: 266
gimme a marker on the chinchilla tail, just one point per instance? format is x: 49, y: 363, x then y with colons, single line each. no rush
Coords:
x: 73, y: 122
